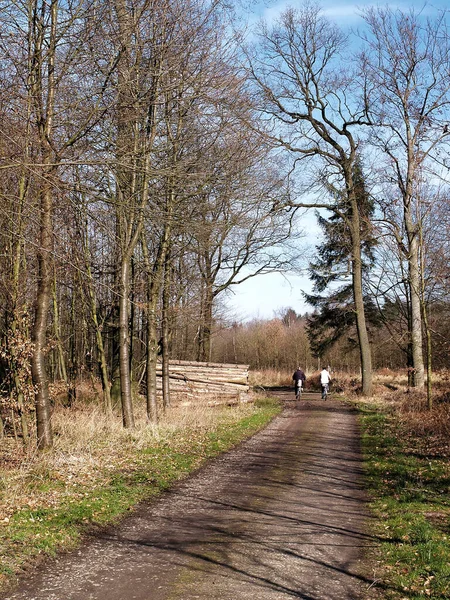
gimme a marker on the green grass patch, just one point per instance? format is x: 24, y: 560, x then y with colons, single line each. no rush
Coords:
x: 409, y: 488
x: 35, y: 529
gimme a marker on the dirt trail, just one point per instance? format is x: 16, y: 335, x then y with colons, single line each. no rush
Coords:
x: 282, y: 516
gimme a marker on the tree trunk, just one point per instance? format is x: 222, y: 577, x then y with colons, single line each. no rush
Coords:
x: 204, y: 353
x: 152, y: 339
x: 423, y: 305
x: 43, y: 93
x: 132, y: 317
x: 154, y: 277
x: 165, y: 333
x: 61, y: 369
x: 429, y: 360
x: 103, y: 366
x: 102, y: 363
x: 361, y: 326
x: 114, y: 337
x: 416, y: 314
x: 73, y: 358
x: 409, y: 346
x: 39, y: 337
x: 152, y: 357
x: 358, y: 296
x: 124, y: 345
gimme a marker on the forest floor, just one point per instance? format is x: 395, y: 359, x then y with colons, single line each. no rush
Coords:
x: 283, y: 515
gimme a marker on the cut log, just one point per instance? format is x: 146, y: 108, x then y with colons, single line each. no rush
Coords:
x: 206, y: 380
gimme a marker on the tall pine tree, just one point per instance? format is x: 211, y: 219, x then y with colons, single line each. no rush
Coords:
x: 332, y: 296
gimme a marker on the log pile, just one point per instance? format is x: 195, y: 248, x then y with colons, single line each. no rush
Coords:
x: 211, y: 382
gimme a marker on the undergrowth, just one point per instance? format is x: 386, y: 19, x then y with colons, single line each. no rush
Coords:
x: 409, y: 482
x: 98, y: 471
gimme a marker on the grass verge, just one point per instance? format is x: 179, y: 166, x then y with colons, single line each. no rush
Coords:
x: 48, y: 502
x: 409, y: 486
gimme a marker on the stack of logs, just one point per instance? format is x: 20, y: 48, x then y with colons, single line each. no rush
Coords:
x: 205, y: 381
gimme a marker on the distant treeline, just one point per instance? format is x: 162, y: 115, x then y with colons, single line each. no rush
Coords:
x: 283, y: 343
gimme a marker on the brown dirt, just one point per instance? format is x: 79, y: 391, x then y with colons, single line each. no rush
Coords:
x: 281, y: 516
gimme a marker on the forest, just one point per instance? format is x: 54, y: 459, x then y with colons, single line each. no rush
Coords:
x: 157, y: 153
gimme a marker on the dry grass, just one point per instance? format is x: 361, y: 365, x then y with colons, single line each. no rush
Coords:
x: 89, y: 446
x: 389, y: 387
x: 412, y: 405
x: 341, y: 381
x: 270, y: 377
x: 282, y: 378
x: 97, y: 471
x: 433, y: 426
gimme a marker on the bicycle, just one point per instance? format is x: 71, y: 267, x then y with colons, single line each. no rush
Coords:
x: 325, y: 389
x: 298, y: 390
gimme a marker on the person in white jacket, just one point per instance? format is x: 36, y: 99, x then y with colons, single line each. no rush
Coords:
x: 325, y: 379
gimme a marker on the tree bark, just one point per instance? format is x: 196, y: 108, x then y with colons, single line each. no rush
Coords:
x: 136, y: 133
x: 61, y: 363
x: 415, y: 293
x: 39, y: 338
x: 165, y: 332
x: 73, y: 356
x: 206, y: 319
x: 154, y: 279
x: 101, y: 355
x: 44, y: 109
x: 358, y: 296
x: 124, y: 345
x: 426, y: 323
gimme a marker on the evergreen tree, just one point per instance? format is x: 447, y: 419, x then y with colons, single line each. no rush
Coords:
x: 334, y: 314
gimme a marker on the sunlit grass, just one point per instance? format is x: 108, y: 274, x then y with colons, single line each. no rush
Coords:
x: 409, y: 486
x: 98, y: 471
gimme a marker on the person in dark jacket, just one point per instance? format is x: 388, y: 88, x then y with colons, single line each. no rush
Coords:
x: 299, y: 378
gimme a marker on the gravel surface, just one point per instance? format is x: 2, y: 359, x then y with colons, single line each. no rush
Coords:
x: 281, y: 516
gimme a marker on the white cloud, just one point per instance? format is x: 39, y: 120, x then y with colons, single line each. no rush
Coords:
x: 272, y: 13
x: 350, y: 11
x: 342, y: 11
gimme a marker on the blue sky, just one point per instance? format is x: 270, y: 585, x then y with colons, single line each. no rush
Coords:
x: 346, y: 13
x: 264, y: 296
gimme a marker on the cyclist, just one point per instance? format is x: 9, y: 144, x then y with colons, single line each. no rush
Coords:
x: 325, y: 379
x: 299, y: 378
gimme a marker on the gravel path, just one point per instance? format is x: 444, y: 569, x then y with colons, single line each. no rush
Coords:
x: 281, y: 516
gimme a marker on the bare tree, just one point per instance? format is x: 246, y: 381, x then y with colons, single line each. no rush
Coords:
x: 406, y: 68
x: 141, y: 40
x: 45, y: 44
x: 194, y: 68
x: 235, y: 234
x: 312, y: 102
x: 43, y: 41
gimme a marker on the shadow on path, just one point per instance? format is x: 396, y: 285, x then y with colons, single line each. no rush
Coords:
x: 281, y: 516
